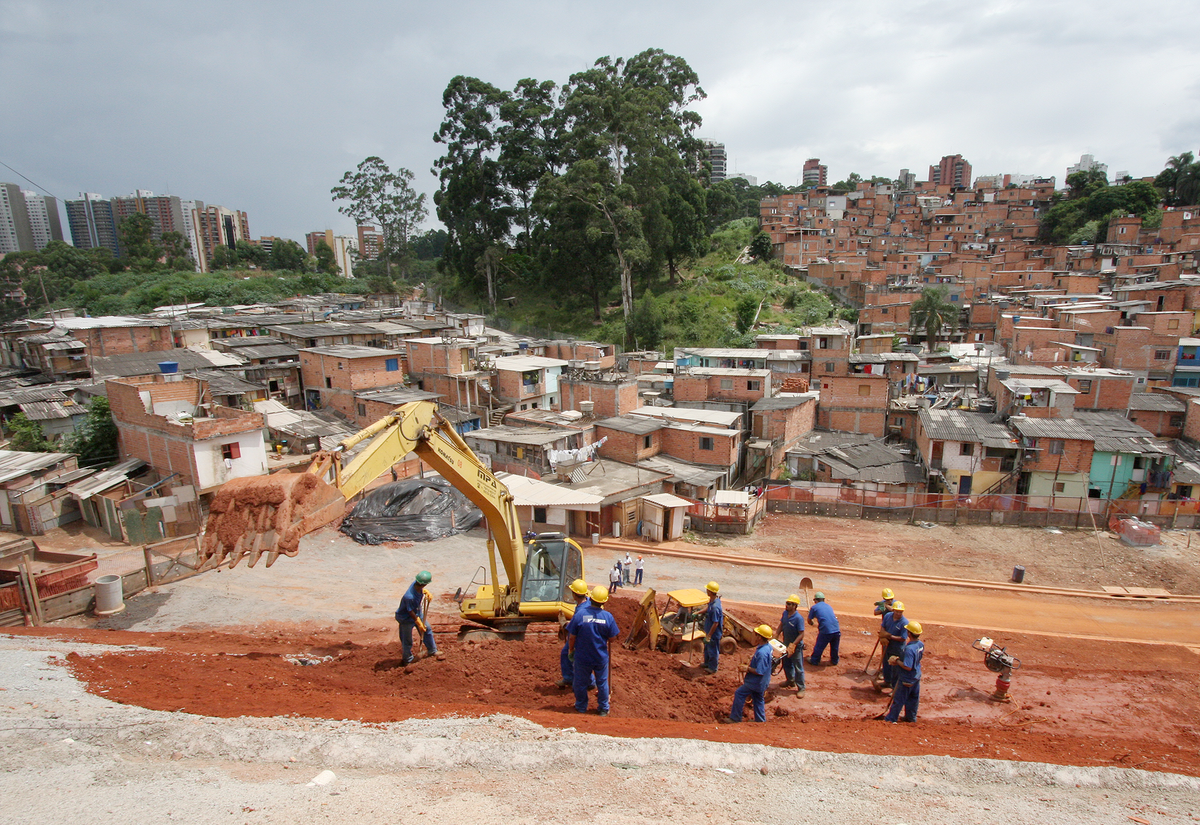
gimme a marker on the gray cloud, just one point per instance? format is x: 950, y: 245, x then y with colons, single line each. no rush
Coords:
x: 262, y: 106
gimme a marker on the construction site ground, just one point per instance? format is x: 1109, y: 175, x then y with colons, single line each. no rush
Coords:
x: 220, y: 697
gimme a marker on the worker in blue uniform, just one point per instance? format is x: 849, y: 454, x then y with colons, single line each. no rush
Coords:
x: 791, y: 633
x: 758, y: 677
x: 829, y: 632
x: 907, y: 695
x: 714, y: 627
x: 579, y: 591
x: 589, y: 634
x: 893, y: 634
x: 411, y: 614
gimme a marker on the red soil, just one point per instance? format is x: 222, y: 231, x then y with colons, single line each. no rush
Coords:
x: 1074, y: 703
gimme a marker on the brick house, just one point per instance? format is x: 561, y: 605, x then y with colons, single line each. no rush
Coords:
x: 176, y: 429
x: 529, y: 382
x: 610, y: 393
x: 966, y: 452
x: 776, y: 425
x: 1056, y: 456
x: 856, y: 403
x: 1160, y: 413
x: 746, y: 386
x: 332, y: 375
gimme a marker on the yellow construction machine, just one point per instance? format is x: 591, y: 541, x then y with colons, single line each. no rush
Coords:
x: 680, y: 626
x: 268, y: 515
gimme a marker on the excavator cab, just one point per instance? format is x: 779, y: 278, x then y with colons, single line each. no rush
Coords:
x: 552, y: 562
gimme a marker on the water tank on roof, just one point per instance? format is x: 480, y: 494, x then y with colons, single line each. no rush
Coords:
x: 168, y: 367
x: 523, y: 347
x: 1002, y: 375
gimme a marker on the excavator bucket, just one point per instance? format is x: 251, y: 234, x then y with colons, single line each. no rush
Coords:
x: 266, y: 515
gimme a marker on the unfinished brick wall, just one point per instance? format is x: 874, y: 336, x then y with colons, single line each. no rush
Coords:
x: 685, y: 444
x: 610, y: 398
x: 697, y: 386
x: 856, y: 404
x: 106, y: 341
x: 1076, y: 457
x: 628, y: 447
x: 430, y: 357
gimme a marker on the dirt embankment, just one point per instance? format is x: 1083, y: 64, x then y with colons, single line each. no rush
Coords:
x: 1075, y: 704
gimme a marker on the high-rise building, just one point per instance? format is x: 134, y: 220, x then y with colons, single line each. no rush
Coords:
x: 718, y: 160
x: 815, y: 173
x: 15, y: 233
x: 217, y: 226
x: 1087, y: 163
x: 907, y: 179
x: 44, y: 220
x: 954, y: 170
x: 370, y: 242
x: 341, y: 246
x: 93, y: 223
x: 166, y: 211
x: 187, y: 210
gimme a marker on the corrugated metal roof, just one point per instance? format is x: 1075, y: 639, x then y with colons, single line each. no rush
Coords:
x: 106, y: 479
x: 667, y: 500
x: 958, y: 425
x: 51, y: 410
x: 14, y: 463
x: 1064, y: 428
x: 638, y: 425
x: 1116, y: 434
x: 1155, y: 402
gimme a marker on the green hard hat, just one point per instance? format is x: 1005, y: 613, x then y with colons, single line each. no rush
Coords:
x: 424, y: 577
x: 819, y: 596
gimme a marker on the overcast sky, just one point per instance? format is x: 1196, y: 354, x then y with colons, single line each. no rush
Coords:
x: 262, y: 106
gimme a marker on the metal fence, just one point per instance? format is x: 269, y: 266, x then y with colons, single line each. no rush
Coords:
x: 817, y: 499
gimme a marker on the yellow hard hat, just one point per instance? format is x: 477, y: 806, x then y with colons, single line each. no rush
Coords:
x: 579, y: 587
x: 599, y: 594
x: 914, y: 628
x: 888, y: 594
x: 713, y: 587
x: 898, y: 605
x: 764, y: 631
x: 793, y: 599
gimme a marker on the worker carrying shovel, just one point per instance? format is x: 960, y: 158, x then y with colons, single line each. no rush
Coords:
x: 791, y: 633
x: 412, y: 614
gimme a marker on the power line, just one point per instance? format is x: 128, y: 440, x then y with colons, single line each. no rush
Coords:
x: 31, y: 183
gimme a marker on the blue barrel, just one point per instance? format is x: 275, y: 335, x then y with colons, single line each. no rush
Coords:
x: 1018, y: 574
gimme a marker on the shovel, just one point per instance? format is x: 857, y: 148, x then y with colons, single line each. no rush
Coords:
x: 806, y: 585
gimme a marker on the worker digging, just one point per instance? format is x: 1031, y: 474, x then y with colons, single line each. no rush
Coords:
x: 757, y: 679
x: 791, y: 634
x: 893, y: 635
x: 566, y: 663
x: 589, y: 634
x: 714, y: 622
x: 829, y: 632
x: 411, y: 614
x: 907, y: 695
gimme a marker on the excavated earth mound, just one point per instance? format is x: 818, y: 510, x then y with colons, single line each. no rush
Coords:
x: 1075, y: 703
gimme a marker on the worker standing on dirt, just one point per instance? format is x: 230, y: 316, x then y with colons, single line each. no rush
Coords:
x: 829, y: 632
x: 714, y: 627
x: 637, y: 579
x: 614, y: 577
x: 758, y: 677
x: 589, y: 634
x: 627, y: 567
x: 908, y: 684
x: 579, y: 591
x: 884, y: 605
x: 893, y: 635
x: 791, y: 633
x: 411, y: 614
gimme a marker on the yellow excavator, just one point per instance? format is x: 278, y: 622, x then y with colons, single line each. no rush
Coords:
x: 268, y: 515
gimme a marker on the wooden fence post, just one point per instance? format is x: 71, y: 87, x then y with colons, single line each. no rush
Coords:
x: 35, y: 602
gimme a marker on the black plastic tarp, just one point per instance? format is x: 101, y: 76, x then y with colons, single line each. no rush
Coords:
x: 416, y: 509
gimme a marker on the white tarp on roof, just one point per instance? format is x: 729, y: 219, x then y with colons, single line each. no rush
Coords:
x: 667, y: 500
x: 530, y: 492
x: 729, y: 497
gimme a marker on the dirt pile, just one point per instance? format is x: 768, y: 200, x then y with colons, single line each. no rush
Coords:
x: 1074, y: 704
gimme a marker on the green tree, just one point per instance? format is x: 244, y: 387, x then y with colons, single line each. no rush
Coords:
x: 374, y: 194
x: 175, y: 248
x: 850, y: 184
x: 95, y: 440
x: 138, y: 246
x: 1180, y: 180
x: 745, y: 312
x: 646, y: 325
x: 627, y: 131
x: 26, y: 436
x: 761, y: 247
x: 287, y: 256
x: 222, y: 258
x: 933, y: 313
x: 326, y: 260
x: 252, y: 254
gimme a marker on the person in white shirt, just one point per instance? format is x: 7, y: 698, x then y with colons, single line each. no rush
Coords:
x: 627, y: 567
